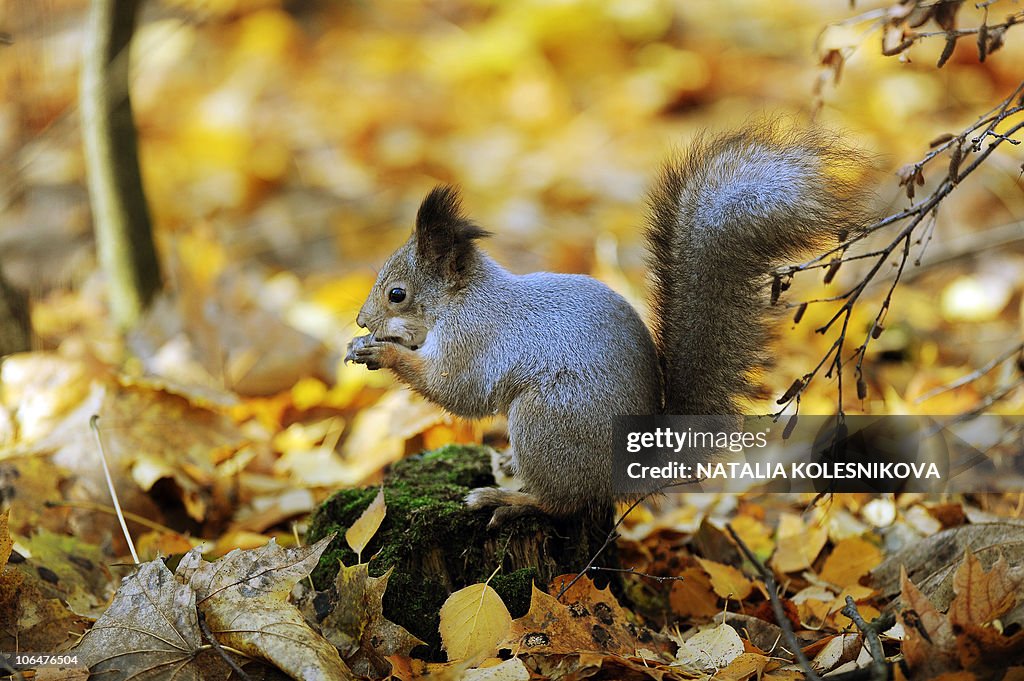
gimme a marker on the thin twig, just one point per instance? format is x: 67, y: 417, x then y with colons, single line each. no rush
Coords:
x: 879, y: 668
x: 94, y: 426
x: 974, y: 375
x: 835, y: 357
x: 780, y: 614
x: 613, y: 533
x: 208, y: 635
x: 634, y: 571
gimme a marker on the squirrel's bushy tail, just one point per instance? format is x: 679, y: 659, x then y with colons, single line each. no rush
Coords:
x: 723, y: 214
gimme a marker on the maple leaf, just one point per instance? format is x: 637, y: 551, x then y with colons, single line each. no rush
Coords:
x: 150, y: 631
x: 981, y: 597
x: 589, y: 620
x: 963, y: 638
x: 352, y: 619
x: 244, y: 597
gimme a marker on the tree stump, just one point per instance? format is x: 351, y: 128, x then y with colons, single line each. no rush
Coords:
x: 436, y: 545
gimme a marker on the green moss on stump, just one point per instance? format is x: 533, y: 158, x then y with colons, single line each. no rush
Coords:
x: 436, y: 545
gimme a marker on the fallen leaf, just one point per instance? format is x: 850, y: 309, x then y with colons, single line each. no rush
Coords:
x: 755, y: 534
x: 366, y: 525
x: 710, y: 649
x: 928, y: 645
x: 474, y: 620
x: 588, y: 621
x: 837, y: 650
x: 693, y: 597
x: 797, y: 545
x: 982, y: 596
x: 727, y: 581
x: 509, y: 670
x: 244, y: 597
x: 743, y: 667
x: 353, y: 621
x: 850, y: 560
x: 150, y: 631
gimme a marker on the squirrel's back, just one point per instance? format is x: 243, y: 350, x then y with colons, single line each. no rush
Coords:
x: 722, y: 215
x: 574, y: 334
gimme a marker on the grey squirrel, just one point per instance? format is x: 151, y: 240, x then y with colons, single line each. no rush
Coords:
x: 561, y: 354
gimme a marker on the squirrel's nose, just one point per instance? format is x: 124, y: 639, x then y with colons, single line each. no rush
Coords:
x: 361, y: 320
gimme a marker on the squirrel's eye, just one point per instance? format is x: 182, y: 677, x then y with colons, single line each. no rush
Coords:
x: 396, y: 295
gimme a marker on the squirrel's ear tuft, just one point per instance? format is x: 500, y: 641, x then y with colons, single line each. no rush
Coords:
x: 444, y: 236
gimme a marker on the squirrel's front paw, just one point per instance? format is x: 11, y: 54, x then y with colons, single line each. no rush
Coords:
x: 373, y: 353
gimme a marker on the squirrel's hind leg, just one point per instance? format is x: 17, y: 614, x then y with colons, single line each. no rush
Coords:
x: 508, y: 504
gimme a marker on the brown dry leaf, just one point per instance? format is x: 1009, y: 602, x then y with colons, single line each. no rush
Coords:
x: 727, y: 581
x: 693, y: 597
x: 150, y: 631
x: 244, y: 597
x: 713, y: 543
x: 474, y: 620
x: 981, y: 597
x: 928, y: 644
x: 366, y: 525
x: 838, y: 649
x: 850, y: 560
x: 587, y: 621
x: 353, y: 621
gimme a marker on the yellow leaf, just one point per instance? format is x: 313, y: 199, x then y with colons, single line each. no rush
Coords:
x: 755, y: 535
x: 727, y: 581
x: 474, y: 621
x: 797, y: 544
x: 365, y: 526
x: 850, y: 560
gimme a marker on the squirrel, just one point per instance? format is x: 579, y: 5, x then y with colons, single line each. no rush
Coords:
x: 561, y: 354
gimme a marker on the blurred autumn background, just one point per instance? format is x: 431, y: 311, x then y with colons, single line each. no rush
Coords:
x: 284, y: 148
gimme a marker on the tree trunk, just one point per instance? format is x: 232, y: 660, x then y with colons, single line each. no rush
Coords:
x: 123, y: 232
